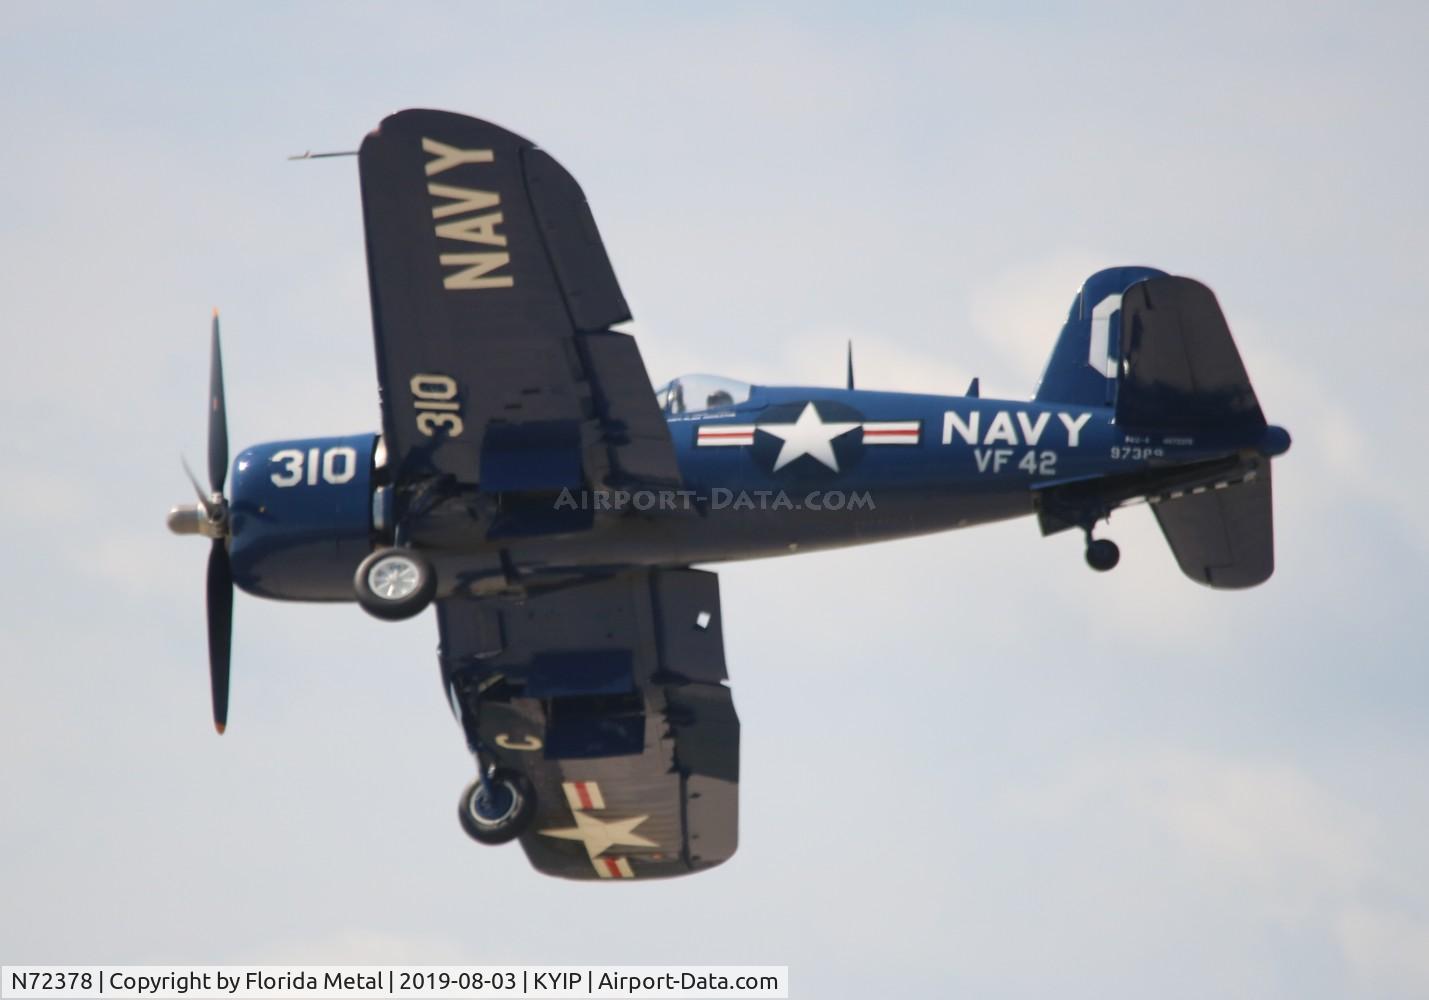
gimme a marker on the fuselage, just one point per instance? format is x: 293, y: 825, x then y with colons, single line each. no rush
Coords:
x: 785, y: 470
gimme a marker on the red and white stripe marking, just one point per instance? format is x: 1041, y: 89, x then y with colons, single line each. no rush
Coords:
x: 583, y: 795
x: 613, y: 867
x: 725, y: 435
x: 892, y: 432
x: 874, y: 432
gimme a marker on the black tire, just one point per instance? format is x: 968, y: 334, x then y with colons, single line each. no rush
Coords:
x: 393, y: 584
x: 1102, y: 554
x: 508, y: 818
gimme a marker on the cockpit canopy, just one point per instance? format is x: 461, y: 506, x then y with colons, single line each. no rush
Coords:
x: 693, y: 393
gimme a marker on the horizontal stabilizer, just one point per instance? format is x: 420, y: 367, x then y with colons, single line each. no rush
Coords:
x: 1180, y: 367
x: 1224, y: 538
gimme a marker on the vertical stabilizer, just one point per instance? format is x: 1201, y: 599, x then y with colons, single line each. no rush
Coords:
x: 1084, y: 363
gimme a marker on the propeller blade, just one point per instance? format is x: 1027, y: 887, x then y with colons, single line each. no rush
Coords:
x: 220, y: 629
x: 204, y: 500
x: 217, y: 417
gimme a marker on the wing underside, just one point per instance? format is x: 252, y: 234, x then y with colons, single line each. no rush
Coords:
x: 609, y: 695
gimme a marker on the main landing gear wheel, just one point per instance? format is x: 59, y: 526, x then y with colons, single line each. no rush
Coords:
x: 1102, y: 554
x: 393, y: 584
x: 498, y: 808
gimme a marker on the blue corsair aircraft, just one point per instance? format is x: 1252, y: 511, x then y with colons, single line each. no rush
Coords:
x: 530, y: 483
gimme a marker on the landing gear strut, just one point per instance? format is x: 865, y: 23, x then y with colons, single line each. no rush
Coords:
x: 1102, y: 553
x: 500, y: 804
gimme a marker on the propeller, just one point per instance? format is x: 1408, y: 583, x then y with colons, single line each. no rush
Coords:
x: 210, y: 518
x: 220, y: 629
x: 217, y: 416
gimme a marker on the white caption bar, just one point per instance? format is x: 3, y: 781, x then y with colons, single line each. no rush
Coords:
x: 284, y: 982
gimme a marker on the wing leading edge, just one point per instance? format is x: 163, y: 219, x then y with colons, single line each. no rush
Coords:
x: 492, y: 298
x: 609, y: 695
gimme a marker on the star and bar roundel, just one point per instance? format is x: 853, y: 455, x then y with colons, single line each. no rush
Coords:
x: 598, y: 835
x: 818, y: 437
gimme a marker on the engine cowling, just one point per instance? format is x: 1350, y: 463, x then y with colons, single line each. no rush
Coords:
x: 302, y: 516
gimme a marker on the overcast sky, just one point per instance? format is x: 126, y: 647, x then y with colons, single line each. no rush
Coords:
x: 970, y: 765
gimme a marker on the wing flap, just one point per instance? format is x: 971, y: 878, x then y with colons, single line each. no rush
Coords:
x: 642, y: 451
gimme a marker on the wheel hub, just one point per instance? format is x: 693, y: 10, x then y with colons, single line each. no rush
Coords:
x: 492, y: 803
x: 394, y: 578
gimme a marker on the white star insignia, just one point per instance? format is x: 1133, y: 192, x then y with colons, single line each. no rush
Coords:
x: 808, y: 435
x: 598, y: 835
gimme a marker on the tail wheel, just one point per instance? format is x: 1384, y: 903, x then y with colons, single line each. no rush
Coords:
x: 498, y: 809
x: 393, y: 584
x: 1102, y: 554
